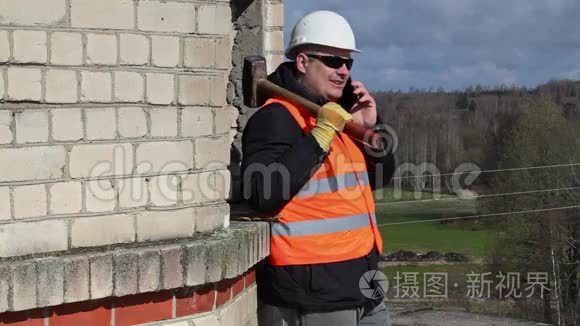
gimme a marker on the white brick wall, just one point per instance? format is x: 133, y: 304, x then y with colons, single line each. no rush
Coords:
x: 118, y: 94
x: 29, y: 46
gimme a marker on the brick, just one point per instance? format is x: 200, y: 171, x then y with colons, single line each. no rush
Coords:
x: 214, y: 19
x: 275, y: 15
x: 1, y: 84
x: 76, y: 274
x: 126, y: 269
x: 101, y: 273
x: 67, y: 124
x: 166, y: 16
x: 218, y: 91
x: 198, y: 187
x: 190, y: 301
x: 102, y: 230
x: 132, y: 122
x: 199, y: 52
x: 215, y: 260
x: 143, y: 308
x: 132, y: 192
x: 208, y: 219
x: 273, y: 61
x: 66, y: 49
x: 5, y: 204
x: 206, y: 321
x: 35, y: 237
x: 165, y: 51
x: 24, y: 84
x: 223, y: 295
x: 31, y: 126
x: 129, y: 86
x: 61, y: 86
x: 225, y: 119
x: 96, y: 86
x: 81, y: 313
x: 274, y: 41
x: 4, y: 47
x: 99, y: 196
x: 171, y: 268
x: 114, y: 14
x: 163, y: 122
x: 223, y: 53
x: 101, y: 123
x: 160, y: 88
x: 153, y: 226
x: 34, y: 163
x: 163, y: 190
x: 101, y: 160
x: 4, y: 288
x: 50, y: 282
x: 32, y: 12
x: 193, y: 90
x: 211, y: 152
x: 5, y: 121
x: 179, y: 323
x: 195, y: 260
x: 221, y: 185
x: 164, y: 156
x: 30, y: 201
x: 29, y: 46
x: 196, y: 122
x: 65, y: 198
x: 149, y: 271
x: 101, y: 49
x: 134, y: 49
x: 23, y: 286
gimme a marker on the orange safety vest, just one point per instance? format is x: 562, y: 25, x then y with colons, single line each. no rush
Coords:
x: 332, y: 218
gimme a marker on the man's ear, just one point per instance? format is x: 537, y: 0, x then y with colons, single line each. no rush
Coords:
x: 301, y: 62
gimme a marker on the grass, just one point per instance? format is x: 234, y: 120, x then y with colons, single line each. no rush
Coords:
x: 417, y: 233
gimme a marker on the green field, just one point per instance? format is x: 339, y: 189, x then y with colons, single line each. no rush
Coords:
x: 405, y: 224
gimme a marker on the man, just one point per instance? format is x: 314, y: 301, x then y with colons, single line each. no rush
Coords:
x: 319, y: 182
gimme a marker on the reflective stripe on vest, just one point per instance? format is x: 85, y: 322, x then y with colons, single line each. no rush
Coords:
x: 332, y: 218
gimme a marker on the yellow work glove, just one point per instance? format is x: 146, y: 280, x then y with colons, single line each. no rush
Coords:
x: 331, y: 119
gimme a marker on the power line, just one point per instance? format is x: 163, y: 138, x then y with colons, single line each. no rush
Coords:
x: 482, y: 215
x: 490, y: 171
x: 476, y: 196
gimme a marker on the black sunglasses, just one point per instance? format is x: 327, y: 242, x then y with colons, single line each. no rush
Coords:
x: 333, y: 61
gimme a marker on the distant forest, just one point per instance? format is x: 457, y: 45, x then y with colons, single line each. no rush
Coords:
x: 472, y: 126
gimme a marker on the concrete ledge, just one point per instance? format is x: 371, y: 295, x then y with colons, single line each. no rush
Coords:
x: 47, y: 281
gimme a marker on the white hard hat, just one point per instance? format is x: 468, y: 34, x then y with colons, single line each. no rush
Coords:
x: 323, y: 28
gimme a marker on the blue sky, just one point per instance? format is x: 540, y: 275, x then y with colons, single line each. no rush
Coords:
x: 456, y: 43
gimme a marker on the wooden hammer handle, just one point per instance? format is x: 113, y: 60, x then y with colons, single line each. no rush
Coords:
x: 356, y: 131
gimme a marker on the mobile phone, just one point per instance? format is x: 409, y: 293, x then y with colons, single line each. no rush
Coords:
x: 348, y: 99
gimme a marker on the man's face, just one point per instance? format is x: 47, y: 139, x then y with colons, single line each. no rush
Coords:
x: 319, y: 78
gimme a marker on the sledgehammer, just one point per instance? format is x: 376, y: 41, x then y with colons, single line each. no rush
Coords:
x: 257, y: 89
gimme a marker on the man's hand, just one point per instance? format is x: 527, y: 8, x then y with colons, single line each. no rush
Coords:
x: 364, y: 112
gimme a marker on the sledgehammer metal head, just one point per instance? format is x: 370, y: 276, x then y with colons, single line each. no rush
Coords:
x: 254, y: 71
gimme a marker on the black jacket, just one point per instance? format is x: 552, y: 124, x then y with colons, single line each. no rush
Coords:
x: 273, y: 139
